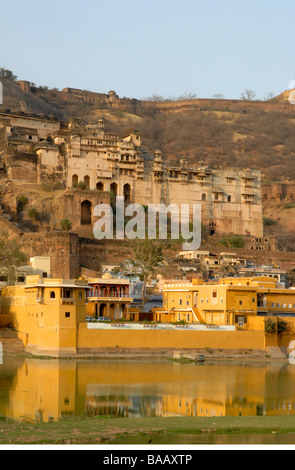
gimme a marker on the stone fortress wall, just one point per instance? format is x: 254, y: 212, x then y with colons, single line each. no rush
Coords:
x: 111, y: 100
x: 139, y: 107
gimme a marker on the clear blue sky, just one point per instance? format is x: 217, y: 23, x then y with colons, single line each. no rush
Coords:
x: 140, y: 47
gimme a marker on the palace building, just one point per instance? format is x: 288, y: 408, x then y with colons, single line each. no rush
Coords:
x: 109, y: 297
x: 75, y: 155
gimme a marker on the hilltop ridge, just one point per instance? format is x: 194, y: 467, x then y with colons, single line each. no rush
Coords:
x: 256, y: 134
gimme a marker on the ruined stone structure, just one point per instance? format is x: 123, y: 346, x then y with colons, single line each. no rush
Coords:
x: 141, y: 107
x: 39, y: 150
x: 111, y: 100
x: 279, y: 192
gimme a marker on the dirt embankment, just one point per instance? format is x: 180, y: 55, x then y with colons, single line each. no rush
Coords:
x: 12, y: 345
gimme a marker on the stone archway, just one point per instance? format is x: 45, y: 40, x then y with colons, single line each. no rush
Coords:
x: 103, y: 310
x: 100, y: 187
x: 127, y: 193
x: 114, y: 189
x: 122, y: 311
x: 75, y: 181
x: 87, y: 182
x: 113, y: 312
x: 86, y: 213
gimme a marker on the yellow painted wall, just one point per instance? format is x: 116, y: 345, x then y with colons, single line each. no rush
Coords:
x: 255, y: 323
x: 50, y: 324
x: 282, y: 301
x: 242, y: 301
x: 261, y: 281
x: 136, y: 339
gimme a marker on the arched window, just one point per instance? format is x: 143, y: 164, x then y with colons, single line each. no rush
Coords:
x: 114, y: 189
x: 75, y: 181
x: 86, y: 213
x: 103, y: 310
x: 204, y: 197
x: 87, y: 182
x: 127, y: 193
x: 52, y: 295
x: 229, y: 198
x: 100, y: 187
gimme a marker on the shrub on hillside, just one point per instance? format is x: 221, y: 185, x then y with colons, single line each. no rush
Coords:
x: 21, y: 203
x: 66, y: 225
x: 34, y: 214
x: 234, y: 241
x: 268, y: 222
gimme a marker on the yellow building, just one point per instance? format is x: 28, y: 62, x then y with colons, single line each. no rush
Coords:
x: 46, y: 313
x: 229, y: 302
x: 271, y: 299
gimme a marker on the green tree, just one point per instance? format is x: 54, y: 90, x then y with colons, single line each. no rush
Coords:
x: 270, y: 326
x: 282, y: 327
x: 34, y: 214
x: 7, y: 74
x: 21, y: 203
x: 148, y: 258
x: 66, y: 225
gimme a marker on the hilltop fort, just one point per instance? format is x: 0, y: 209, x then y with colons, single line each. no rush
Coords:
x: 111, y: 100
x: 90, y: 157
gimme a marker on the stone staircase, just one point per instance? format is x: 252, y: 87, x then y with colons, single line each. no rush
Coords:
x: 276, y: 352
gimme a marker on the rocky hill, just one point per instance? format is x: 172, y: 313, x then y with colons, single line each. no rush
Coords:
x: 259, y: 135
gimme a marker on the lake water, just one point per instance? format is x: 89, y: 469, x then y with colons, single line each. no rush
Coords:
x: 32, y: 389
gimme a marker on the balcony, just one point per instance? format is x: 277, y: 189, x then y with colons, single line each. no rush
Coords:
x: 96, y: 295
x: 68, y: 301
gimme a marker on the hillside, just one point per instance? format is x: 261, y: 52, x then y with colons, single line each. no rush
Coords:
x: 238, y: 134
x: 242, y: 136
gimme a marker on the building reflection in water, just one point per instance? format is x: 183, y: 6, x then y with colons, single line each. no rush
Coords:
x: 40, y: 390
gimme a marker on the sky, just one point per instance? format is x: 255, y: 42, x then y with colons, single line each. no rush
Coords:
x: 140, y: 48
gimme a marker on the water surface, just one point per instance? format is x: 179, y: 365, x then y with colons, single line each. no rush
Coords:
x: 51, y: 390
